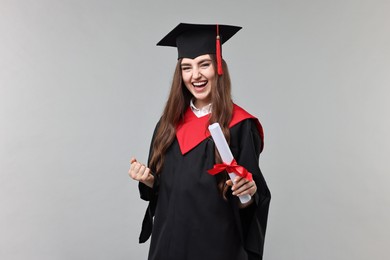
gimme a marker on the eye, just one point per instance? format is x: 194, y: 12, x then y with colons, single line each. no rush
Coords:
x: 185, y: 68
x: 205, y: 65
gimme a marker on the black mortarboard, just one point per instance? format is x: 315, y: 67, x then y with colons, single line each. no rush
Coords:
x: 193, y: 40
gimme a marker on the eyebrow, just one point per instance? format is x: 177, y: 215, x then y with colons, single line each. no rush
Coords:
x: 200, y: 62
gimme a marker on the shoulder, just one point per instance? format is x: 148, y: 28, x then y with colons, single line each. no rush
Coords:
x: 243, y: 121
x: 240, y: 112
x: 241, y: 115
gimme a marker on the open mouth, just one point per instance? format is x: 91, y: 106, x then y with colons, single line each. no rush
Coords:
x: 199, y: 84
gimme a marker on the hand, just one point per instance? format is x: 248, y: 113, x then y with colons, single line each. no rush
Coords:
x: 141, y: 173
x: 242, y: 186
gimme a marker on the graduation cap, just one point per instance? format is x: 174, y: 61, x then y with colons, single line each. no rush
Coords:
x: 193, y: 40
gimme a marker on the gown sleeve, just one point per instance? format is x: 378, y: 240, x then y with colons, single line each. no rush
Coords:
x: 246, y: 145
x: 151, y: 195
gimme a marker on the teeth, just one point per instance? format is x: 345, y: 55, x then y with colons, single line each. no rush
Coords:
x: 199, y: 84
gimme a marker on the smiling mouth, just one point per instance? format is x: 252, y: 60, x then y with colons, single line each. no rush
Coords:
x: 199, y: 84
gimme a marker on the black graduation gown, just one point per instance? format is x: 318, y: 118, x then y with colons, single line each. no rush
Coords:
x: 191, y: 219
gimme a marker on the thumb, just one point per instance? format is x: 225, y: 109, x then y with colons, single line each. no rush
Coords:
x: 229, y: 183
x: 132, y: 160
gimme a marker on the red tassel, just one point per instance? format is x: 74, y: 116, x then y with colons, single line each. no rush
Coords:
x: 219, y: 53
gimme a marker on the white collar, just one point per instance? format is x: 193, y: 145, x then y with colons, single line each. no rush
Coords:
x: 202, y: 111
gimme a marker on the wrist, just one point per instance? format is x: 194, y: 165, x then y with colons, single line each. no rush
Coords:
x: 150, y: 181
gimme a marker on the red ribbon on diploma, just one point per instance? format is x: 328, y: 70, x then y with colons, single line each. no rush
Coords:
x: 232, y: 167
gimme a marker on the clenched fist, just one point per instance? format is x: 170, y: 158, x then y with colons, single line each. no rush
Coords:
x: 141, y: 173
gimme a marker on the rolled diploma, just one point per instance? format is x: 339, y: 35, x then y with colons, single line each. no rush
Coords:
x: 225, y: 153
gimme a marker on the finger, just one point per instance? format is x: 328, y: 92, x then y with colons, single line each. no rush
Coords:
x: 132, y: 160
x: 132, y: 163
x: 239, y: 183
x: 133, y: 173
x: 141, y: 171
x: 145, y: 174
x: 229, y: 183
x: 237, y: 179
x: 243, y: 189
x: 137, y: 166
x: 251, y: 190
x: 136, y: 170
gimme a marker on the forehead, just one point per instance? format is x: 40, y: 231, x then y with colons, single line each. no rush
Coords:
x: 196, y: 60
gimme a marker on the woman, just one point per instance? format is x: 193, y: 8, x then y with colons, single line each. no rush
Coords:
x: 198, y: 215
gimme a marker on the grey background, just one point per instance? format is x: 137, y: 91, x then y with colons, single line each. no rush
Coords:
x: 82, y: 86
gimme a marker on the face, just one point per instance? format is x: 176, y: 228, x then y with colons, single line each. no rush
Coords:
x: 199, y: 77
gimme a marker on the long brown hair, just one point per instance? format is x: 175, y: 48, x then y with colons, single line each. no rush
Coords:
x: 177, y: 103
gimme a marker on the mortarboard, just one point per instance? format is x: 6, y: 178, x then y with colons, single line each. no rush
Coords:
x: 193, y: 40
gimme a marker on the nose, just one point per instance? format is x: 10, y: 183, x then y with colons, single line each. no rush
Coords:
x: 196, y: 74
